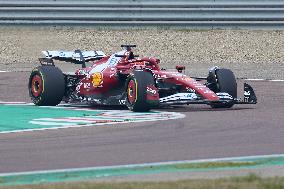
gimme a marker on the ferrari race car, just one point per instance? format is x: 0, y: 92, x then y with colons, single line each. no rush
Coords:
x: 125, y: 79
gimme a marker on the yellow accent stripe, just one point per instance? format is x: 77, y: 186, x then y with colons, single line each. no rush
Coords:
x: 42, y: 82
x: 136, y: 91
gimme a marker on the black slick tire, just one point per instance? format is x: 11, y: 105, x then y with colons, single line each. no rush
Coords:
x: 46, y: 86
x: 136, y: 90
x: 226, y: 82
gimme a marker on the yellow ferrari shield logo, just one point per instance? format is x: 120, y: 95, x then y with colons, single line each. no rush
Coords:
x: 97, y: 79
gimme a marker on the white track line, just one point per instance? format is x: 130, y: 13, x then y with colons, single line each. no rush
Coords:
x: 273, y: 80
x: 2, y: 71
x: 226, y: 159
x: 277, y: 80
x: 15, y: 103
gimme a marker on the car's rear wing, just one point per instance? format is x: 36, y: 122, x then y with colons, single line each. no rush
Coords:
x: 77, y: 56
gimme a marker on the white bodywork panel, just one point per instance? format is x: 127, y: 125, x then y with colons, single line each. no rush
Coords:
x: 224, y: 96
x: 111, y: 62
x: 179, y: 96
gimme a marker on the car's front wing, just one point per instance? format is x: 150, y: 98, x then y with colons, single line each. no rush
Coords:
x: 193, y: 98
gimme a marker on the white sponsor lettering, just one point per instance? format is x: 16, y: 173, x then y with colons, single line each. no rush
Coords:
x: 150, y: 90
x: 87, y: 85
x: 122, y: 102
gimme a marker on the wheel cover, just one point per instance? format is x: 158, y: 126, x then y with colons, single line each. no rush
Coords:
x: 132, y: 92
x: 36, y: 86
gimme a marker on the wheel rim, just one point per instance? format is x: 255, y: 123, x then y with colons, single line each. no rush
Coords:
x: 36, y: 86
x: 131, y: 92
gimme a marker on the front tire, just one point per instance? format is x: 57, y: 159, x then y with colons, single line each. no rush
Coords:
x: 226, y: 82
x: 136, y: 91
x: 46, y: 86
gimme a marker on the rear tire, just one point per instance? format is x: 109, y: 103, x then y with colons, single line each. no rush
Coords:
x: 226, y: 82
x: 46, y: 86
x: 136, y: 91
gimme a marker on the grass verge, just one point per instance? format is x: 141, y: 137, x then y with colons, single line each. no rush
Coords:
x: 251, y: 181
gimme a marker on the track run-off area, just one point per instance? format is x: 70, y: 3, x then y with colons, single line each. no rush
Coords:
x: 39, y: 140
x: 66, y: 116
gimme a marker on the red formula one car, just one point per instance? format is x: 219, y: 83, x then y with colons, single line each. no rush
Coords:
x: 124, y: 79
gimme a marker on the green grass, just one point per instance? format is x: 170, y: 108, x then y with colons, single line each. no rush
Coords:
x: 213, y: 165
x: 248, y: 182
x: 205, y: 165
x: 83, y: 175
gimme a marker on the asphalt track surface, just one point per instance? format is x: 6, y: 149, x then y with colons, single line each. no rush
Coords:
x: 205, y: 133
